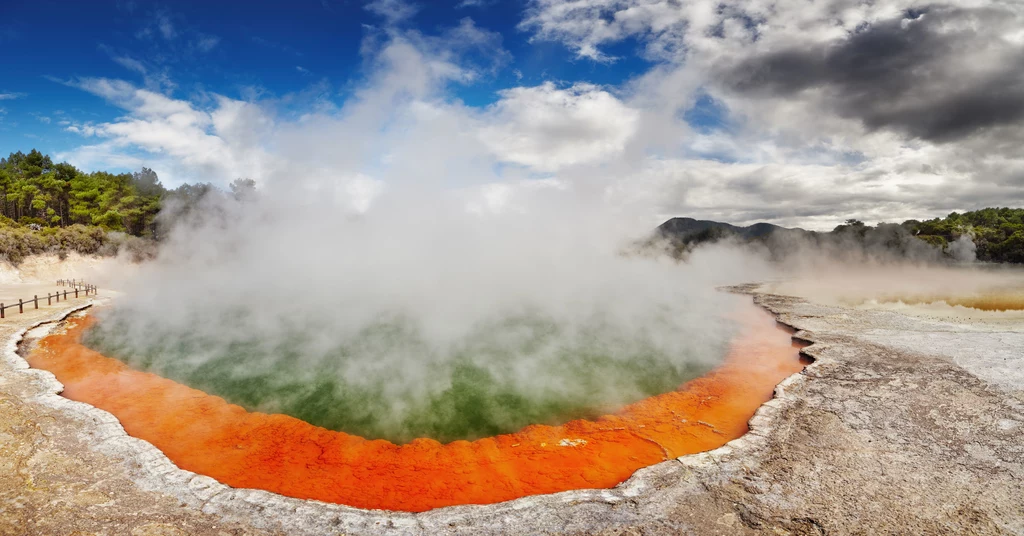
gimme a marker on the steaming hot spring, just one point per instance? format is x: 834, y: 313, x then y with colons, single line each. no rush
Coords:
x: 444, y: 365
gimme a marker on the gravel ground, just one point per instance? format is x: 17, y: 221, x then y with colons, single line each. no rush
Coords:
x: 904, y: 424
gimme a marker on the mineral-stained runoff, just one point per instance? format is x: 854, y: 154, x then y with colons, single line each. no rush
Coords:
x: 206, y: 435
x: 1008, y: 300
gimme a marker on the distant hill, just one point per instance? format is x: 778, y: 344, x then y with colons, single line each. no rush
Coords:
x: 689, y: 228
x: 850, y: 241
x: 990, y: 234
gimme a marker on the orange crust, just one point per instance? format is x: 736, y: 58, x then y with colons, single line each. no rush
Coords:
x: 207, y: 435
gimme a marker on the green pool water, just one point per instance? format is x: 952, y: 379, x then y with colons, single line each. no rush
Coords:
x: 386, y: 380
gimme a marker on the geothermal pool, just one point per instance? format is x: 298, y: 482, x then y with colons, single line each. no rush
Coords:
x: 207, y: 434
x: 388, y: 380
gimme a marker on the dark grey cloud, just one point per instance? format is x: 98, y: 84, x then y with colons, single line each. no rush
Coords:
x: 916, y: 74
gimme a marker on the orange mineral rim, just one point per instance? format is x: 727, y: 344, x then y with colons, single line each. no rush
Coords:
x: 207, y: 435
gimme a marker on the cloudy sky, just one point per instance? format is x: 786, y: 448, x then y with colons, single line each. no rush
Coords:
x: 798, y: 112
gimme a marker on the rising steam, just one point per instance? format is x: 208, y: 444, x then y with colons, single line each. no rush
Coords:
x: 419, y: 316
x: 398, y: 275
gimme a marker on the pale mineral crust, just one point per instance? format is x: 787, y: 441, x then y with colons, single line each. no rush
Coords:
x: 902, y: 425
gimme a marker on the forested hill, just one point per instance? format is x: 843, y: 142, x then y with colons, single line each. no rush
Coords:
x: 55, y: 207
x: 997, y: 234
x: 37, y: 191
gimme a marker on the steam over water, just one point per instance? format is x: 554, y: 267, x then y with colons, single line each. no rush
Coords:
x: 465, y: 326
x: 385, y: 380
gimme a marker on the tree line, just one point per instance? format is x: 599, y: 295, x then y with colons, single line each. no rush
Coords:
x: 998, y: 233
x: 56, y: 207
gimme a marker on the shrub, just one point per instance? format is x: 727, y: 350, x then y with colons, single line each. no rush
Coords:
x: 136, y: 248
x: 16, y: 243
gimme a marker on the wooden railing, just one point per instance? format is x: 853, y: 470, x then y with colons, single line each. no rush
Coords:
x: 77, y: 287
x: 76, y: 283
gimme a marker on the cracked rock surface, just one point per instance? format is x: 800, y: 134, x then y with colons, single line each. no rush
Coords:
x: 903, y: 425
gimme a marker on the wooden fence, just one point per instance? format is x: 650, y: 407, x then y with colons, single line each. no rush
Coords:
x: 76, y: 287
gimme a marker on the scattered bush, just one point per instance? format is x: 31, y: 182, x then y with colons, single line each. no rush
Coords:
x: 137, y: 249
x: 17, y: 243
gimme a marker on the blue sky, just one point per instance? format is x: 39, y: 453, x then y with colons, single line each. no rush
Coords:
x: 266, y: 48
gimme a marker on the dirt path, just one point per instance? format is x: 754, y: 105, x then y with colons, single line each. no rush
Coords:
x: 876, y: 437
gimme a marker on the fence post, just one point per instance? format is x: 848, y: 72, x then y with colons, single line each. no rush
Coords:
x: 1, y: 310
x: 65, y: 295
x: 21, y: 306
x: 35, y: 298
x: 76, y: 292
x: 48, y: 299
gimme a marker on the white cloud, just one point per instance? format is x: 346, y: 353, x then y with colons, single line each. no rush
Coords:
x: 83, y: 129
x: 155, y: 75
x: 587, y: 25
x: 11, y: 96
x: 547, y: 128
x: 206, y: 43
x: 219, y: 145
x: 397, y: 125
x: 791, y: 160
x: 805, y: 155
x: 131, y: 64
x: 393, y: 11
x: 166, y: 27
x: 102, y: 156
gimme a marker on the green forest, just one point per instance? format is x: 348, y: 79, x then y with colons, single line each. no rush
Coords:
x: 37, y: 191
x: 998, y: 233
x: 58, y: 208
